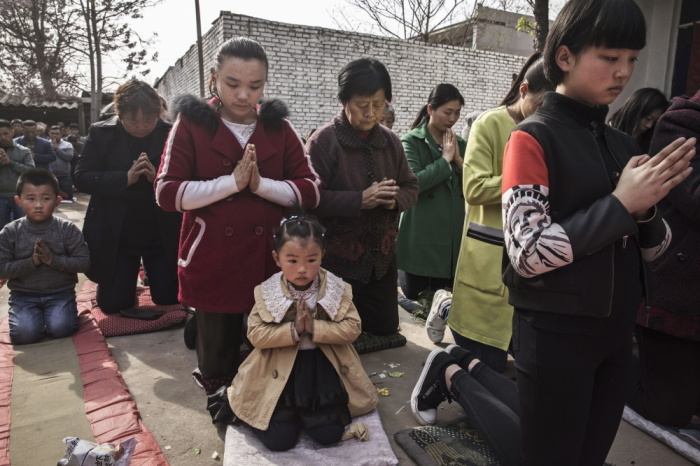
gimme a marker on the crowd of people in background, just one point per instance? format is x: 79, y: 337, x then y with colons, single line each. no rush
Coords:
x: 542, y: 231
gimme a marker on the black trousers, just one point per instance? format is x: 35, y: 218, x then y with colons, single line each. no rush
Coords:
x: 572, y: 393
x: 377, y: 303
x: 412, y: 285
x: 491, y: 402
x: 665, y: 380
x: 495, y: 358
x: 219, y: 338
x: 285, y: 427
x: 121, y: 293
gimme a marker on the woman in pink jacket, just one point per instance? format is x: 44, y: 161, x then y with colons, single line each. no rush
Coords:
x: 231, y: 165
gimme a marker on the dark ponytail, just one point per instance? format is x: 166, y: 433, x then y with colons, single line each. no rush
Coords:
x: 532, y: 72
x: 299, y: 225
x: 440, y: 95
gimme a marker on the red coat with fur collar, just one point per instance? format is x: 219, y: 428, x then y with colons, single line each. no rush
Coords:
x: 226, y: 247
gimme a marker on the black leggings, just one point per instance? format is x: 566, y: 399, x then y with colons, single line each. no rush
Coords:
x: 572, y: 393
x: 491, y: 402
x: 285, y: 427
x: 121, y: 293
x: 495, y: 358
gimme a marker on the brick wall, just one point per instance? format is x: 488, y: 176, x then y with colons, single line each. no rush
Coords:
x: 305, y: 61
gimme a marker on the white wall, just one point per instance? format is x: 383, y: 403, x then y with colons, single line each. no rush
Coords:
x: 305, y: 61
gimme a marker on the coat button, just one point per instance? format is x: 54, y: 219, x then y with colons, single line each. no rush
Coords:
x: 259, y: 230
x: 375, y: 226
x: 228, y: 231
x: 681, y: 257
x: 274, y: 374
x: 226, y: 162
x: 344, y: 369
x: 229, y: 199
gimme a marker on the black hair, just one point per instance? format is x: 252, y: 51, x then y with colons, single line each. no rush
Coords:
x: 298, y: 225
x: 37, y: 177
x: 16, y: 120
x: 56, y: 128
x: 640, y: 104
x: 238, y: 47
x: 582, y: 24
x: 5, y: 124
x: 29, y: 123
x: 364, y: 77
x: 533, y: 73
x: 74, y: 126
x: 440, y: 95
x: 135, y: 95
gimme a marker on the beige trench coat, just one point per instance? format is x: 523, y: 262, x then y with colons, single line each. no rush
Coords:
x: 255, y: 390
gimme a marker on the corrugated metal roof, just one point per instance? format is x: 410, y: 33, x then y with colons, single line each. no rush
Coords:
x: 11, y: 100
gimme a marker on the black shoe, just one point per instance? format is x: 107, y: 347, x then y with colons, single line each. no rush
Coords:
x: 219, y: 407
x: 429, y: 392
x: 191, y: 332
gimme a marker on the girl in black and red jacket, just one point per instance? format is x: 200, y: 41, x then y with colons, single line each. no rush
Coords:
x: 579, y: 223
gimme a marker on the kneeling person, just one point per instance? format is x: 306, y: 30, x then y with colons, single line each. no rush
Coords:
x: 41, y: 256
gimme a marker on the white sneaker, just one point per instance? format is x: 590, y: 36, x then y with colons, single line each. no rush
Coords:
x: 437, y: 318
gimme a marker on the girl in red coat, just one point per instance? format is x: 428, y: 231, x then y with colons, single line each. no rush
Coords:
x: 231, y: 165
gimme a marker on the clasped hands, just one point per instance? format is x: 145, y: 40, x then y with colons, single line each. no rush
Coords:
x: 4, y: 158
x: 141, y: 166
x: 646, y: 180
x: 42, y: 254
x: 450, y: 149
x: 246, y: 173
x: 304, y: 321
x: 382, y: 193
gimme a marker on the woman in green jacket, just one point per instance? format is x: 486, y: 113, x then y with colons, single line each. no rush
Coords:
x: 480, y: 317
x: 429, y: 232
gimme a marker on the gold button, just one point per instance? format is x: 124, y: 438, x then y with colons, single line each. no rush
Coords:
x: 274, y: 374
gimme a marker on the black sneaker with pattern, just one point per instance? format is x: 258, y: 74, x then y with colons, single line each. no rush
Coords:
x: 430, y: 391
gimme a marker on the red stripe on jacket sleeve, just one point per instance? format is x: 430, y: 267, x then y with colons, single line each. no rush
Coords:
x: 523, y: 162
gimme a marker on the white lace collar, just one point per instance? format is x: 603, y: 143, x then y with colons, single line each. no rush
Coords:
x: 278, y: 302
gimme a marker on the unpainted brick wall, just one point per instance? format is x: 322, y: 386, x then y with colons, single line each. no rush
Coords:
x: 305, y: 61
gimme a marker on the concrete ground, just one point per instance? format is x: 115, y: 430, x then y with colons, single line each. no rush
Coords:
x: 157, y: 367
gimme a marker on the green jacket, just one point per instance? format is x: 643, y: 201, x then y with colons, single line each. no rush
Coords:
x: 480, y: 309
x: 20, y: 161
x: 430, y: 231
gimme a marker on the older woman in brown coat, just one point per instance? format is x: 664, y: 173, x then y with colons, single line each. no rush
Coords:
x: 367, y: 183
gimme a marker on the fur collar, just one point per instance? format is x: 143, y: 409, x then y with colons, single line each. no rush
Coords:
x: 278, y: 301
x: 271, y: 113
x: 347, y: 136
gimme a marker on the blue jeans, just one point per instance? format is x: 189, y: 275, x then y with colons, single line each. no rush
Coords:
x: 9, y: 211
x: 35, y: 315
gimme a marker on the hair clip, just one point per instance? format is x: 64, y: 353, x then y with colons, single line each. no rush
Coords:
x: 289, y: 219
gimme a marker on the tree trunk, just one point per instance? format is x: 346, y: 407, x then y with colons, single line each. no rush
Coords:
x: 541, y: 14
x: 40, y: 51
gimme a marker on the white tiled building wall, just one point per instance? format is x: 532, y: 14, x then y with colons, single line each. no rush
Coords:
x: 305, y: 61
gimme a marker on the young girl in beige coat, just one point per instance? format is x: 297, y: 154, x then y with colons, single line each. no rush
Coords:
x: 303, y: 372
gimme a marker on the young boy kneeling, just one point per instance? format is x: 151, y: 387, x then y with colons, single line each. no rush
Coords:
x: 41, y: 256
